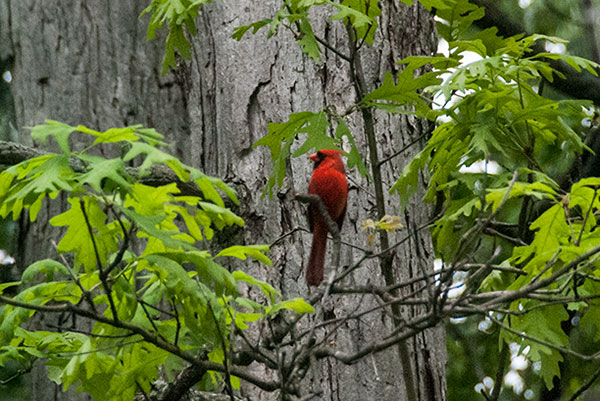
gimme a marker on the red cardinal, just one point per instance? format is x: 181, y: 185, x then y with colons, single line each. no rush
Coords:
x: 329, y: 182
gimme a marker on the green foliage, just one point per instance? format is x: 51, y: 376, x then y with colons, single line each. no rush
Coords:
x: 491, y: 110
x: 178, y: 14
x: 142, y: 305
x: 293, y: 15
x: 361, y: 14
x: 281, y: 136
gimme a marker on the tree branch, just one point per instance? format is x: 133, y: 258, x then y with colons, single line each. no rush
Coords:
x: 148, y: 337
x: 12, y: 153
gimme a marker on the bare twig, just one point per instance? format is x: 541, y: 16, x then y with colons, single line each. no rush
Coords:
x: 148, y: 337
x: 102, y: 276
x: 495, y: 394
x: 585, y: 385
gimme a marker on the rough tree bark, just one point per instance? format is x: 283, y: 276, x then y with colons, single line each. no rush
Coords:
x: 88, y: 62
x: 237, y: 88
x: 82, y: 62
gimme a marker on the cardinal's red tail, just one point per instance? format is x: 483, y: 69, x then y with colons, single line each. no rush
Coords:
x: 314, y: 270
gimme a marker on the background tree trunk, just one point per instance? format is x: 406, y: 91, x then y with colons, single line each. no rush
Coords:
x: 85, y: 62
x: 82, y: 62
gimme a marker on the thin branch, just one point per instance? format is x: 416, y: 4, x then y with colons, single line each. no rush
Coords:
x: 315, y: 200
x: 586, y: 385
x: 147, y: 336
x: 224, y: 349
x: 478, y: 228
x: 555, y: 347
x: 404, y: 149
x: 495, y: 233
x: 150, y: 319
x: 287, y: 234
x: 13, y: 153
x: 123, y: 248
x: 177, y: 322
x: 422, y: 323
x: 88, y: 333
x: 585, y: 219
x: 495, y: 394
x: 508, y: 296
x: 333, y: 49
x: 98, y: 261
x: 87, y: 295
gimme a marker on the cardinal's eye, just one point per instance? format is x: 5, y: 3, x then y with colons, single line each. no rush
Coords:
x: 320, y: 155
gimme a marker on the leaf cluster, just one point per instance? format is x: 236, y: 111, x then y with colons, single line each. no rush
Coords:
x: 134, y: 262
x: 532, y: 232
x: 516, y: 210
x: 492, y: 112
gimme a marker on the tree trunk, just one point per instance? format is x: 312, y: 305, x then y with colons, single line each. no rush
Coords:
x: 236, y: 89
x: 82, y: 62
x: 88, y: 62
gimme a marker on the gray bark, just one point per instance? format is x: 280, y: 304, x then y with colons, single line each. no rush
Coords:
x: 82, y: 62
x: 237, y: 88
x: 88, y: 62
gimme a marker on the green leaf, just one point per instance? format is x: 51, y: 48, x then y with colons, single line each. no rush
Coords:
x: 536, y: 189
x: 83, y: 240
x: 127, y: 134
x: 178, y: 13
x: 404, y: 92
x: 221, y: 216
x: 308, y: 42
x: 407, y: 183
x: 430, y: 4
x: 155, y: 156
x: 551, y: 227
x: 46, y: 174
x: 209, y: 185
x: 362, y: 14
x: 150, y: 135
x: 58, y: 130
x: 266, y: 288
x: 150, y: 226
x: 354, y: 157
x: 441, y: 62
x: 101, y: 170
x: 281, y: 136
x: 298, y: 305
x: 4, y: 286
x: 543, y: 324
x: 176, y: 40
x: 47, y: 267
x: 358, y: 19
x: 59, y: 291
x: 576, y: 62
x: 457, y: 16
x: 241, y: 251
x: 240, y: 31
x: 177, y: 279
x: 591, y: 319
